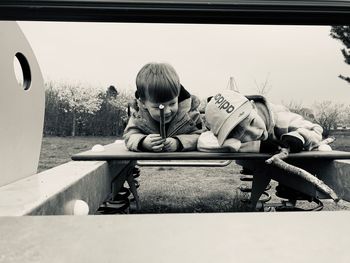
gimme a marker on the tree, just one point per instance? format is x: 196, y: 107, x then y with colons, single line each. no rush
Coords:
x: 112, y: 92
x: 342, y: 33
x: 328, y: 115
x: 263, y: 88
x: 123, y: 105
x: 298, y: 108
x: 346, y: 116
x: 79, y: 101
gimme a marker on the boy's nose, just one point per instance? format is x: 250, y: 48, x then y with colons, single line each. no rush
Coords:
x: 167, y: 110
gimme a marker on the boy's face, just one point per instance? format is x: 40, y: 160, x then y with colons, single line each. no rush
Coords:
x: 170, y: 109
x: 252, y: 128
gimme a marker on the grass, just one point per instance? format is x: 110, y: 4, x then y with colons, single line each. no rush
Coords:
x: 342, y: 142
x: 58, y: 150
x: 190, y: 189
x: 169, y: 189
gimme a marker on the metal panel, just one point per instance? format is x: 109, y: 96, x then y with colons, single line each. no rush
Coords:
x: 21, y: 111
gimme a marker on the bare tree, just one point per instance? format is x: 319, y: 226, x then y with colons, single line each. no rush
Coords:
x: 346, y: 116
x: 328, y: 115
x: 263, y: 88
x: 298, y: 108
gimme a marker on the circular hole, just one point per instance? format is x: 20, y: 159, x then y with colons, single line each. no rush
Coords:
x: 22, y: 70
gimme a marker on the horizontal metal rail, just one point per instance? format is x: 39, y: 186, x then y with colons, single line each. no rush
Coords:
x: 180, y: 11
x: 185, y: 163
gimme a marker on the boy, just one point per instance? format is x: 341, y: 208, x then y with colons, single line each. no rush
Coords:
x: 252, y: 124
x: 158, y: 83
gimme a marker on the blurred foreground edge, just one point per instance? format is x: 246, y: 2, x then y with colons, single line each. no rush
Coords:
x: 181, y: 11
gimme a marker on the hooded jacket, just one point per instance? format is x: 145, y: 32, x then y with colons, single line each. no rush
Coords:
x: 186, y: 125
x: 279, y: 122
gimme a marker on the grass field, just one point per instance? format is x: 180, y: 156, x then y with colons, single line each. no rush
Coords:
x: 170, y: 189
x: 58, y: 150
x: 342, y: 141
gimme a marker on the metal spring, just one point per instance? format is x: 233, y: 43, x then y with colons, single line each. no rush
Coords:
x: 288, y: 206
x: 244, y: 188
x: 120, y: 202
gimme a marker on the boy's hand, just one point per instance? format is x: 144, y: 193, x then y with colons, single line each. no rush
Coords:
x: 171, y: 145
x: 271, y: 146
x: 153, y: 142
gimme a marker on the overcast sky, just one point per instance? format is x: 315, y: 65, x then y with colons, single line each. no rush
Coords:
x: 300, y: 63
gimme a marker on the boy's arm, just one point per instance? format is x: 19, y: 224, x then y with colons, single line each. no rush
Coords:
x: 299, y: 129
x: 133, y: 136
x: 189, y: 141
x: 208, y: 142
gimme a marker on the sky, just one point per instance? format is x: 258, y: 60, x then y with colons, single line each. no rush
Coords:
x: 298, y: 63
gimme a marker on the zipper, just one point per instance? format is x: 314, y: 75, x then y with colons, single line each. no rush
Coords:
x: 178, y: 128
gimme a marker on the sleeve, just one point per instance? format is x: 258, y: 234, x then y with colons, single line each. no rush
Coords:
x: 208, y: 142
x: 133, y: 136
x: 294, y: 126
x: 189, y: 141
x: 250, y: 147
x: 312, y: 137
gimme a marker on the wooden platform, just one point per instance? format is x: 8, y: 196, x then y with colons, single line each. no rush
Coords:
x: 118, y: 151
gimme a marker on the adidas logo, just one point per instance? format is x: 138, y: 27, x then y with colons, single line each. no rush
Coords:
x: 223, y: 103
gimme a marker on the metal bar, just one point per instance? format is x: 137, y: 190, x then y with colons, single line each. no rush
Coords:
x: 184, y: 163
x: 162, y: 121
x: 180, y: 11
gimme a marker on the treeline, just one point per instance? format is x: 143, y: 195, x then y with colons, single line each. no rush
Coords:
x: 328, y: 114
x: 77, y: 110
x: 74, y: 110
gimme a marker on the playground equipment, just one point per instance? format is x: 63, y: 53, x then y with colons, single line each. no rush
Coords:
x: 60, y: 191
x: 323, y: 164
x: 80, y: 186
x: 21, y: 106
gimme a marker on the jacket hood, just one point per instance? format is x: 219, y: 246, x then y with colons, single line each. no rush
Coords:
x: 264, y: 110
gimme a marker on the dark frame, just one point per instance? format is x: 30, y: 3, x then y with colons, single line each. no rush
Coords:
x: 298, y: 12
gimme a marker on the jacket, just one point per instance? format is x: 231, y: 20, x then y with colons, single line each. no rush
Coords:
x: 186, y: 125
x: 279, y: 122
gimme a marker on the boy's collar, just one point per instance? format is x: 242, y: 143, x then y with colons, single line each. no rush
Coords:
x: 183, y: 94
x: 256, y: 98
x: 265, y: 111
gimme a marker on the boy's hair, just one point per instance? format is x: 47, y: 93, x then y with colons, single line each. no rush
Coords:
x: 157, y: 82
